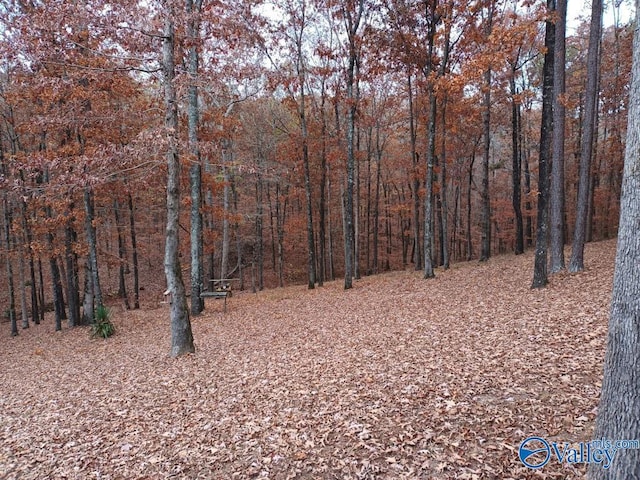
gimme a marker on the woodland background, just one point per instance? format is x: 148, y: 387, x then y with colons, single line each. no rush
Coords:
x: 273, y: 99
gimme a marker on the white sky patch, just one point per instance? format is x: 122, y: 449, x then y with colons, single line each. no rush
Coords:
x: 578, y: 10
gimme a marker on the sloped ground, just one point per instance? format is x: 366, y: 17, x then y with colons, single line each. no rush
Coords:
x: 397, y: 378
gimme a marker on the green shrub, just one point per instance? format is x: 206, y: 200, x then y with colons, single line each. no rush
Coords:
x: 103, y: 326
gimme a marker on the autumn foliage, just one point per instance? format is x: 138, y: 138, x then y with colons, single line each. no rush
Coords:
x: 83, y: 138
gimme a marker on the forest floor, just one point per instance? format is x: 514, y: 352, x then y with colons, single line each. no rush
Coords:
x: 397, y: 378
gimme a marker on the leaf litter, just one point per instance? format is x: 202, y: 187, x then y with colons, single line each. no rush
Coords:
x: 398, y: 378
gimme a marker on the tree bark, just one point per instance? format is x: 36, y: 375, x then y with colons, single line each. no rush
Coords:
x: 417, y: 253
x: 258, y: 247
x: 428, y: 271
x: 181, y: 335
x: 556, y: 204
x: 23, y: 290
x: 323, y: 187
x: 92, y: 244
x: 195, y: 172
x: 540, y: 277
x: 226, y: 206
x: 122, y: 257
x: 576, y: 263
x: 485, y: 244
x: 134, y: 254
x: 353, y: 21
x: 516, y: 164
x: 618, y: 413
x: 9, y: 265
x: 71, y: 259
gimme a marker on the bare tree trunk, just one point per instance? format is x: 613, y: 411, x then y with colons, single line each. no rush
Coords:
x: 258, y: 248
x: 134, y: 254
x: 485, y: 245
x: 193, y: 8
x: 281, y: 212
x: 88, y: 305
x: 330, y: 226
x: 540, y: 277
x: 9, y: 265
x: 181, y: 335
x: 35, y: 309
x: 444, y: 227
x: 73, y: 288
x: 576, y: 263
x: 226, y: 238
x: 122, y: 257
x: 92, y: 244
x: 376, y: 212
x: 557, y: 164
x: 620, y: 397
x: 516, y: 164
x: 272, y: 229
x: 469, y: 185
x: 323, y: 187
x: 353, y: 22
x: 417, y: 253
x: 23, y: 290
x: 431, y: 143
x: 40, y: 291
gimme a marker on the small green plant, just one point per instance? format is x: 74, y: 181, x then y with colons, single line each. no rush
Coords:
x: 103, y: 326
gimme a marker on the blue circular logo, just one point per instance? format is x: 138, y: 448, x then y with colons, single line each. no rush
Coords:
x: 534, y: 452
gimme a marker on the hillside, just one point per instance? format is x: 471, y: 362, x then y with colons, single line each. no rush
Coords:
x: 397, y: 378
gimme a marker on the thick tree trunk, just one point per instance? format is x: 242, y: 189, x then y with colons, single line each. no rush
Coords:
x: 181, y: 335
x: 195, y: 172
x: 540, y: 277
x: 618, y: 414
x: 88, y: 305
x: 556, y: 205
x: 576, y: 263
x: 430, y: 159
x: 353, y: 21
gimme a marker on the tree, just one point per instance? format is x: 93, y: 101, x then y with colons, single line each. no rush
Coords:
x: 576, y: 263
x: 620, y: 398
x: 193, y: 8
x: 540, y: 278
x: 556, y: 201
x: 485, y: 246
x: 181, y: 335
x: 353, y: 13
x: 429, y: 71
